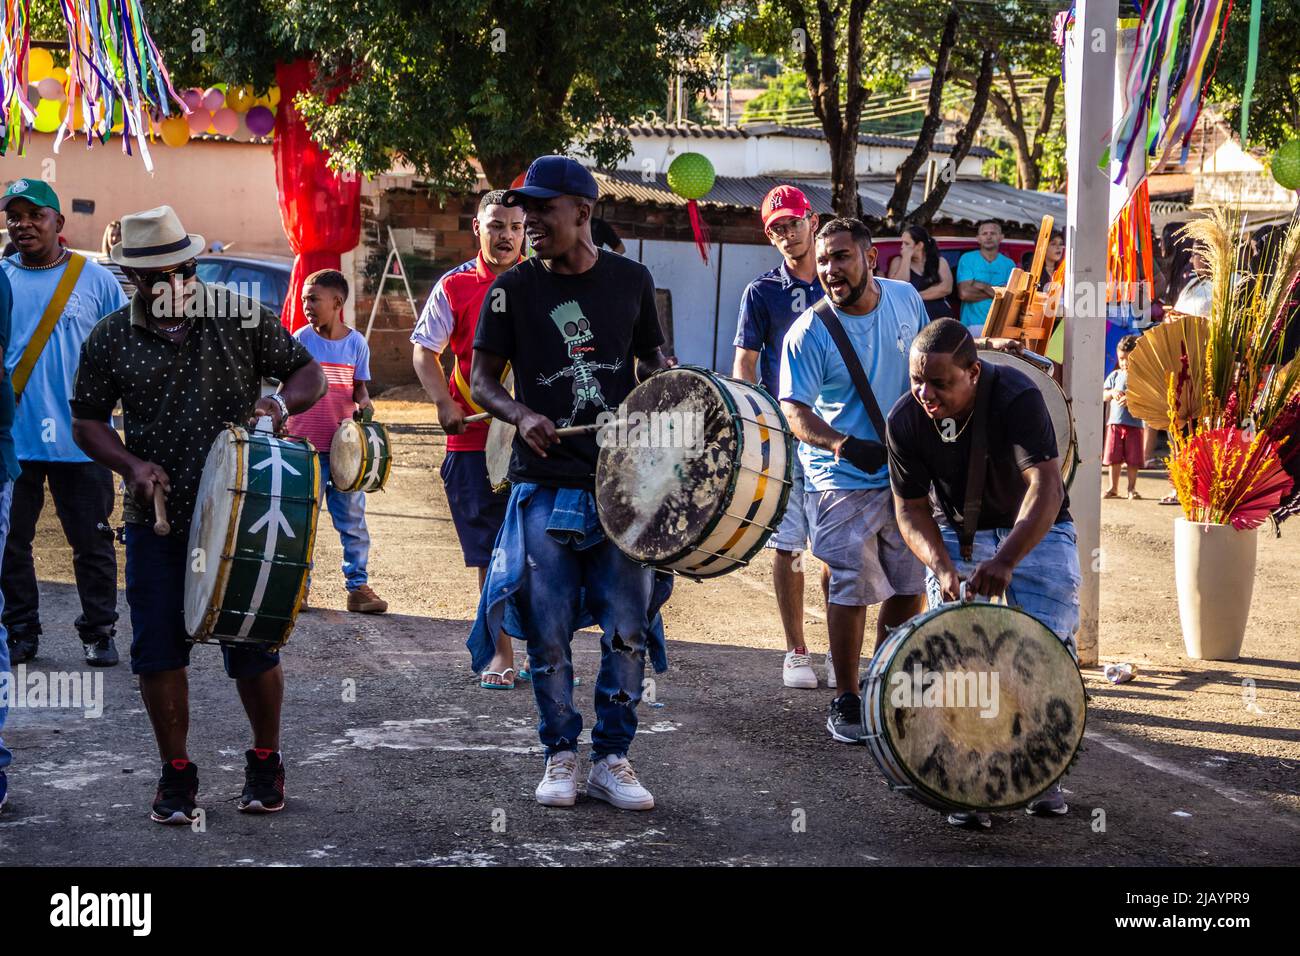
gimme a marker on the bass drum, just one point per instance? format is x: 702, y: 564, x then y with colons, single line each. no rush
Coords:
x: 697, y: 476
x: 973, y: 707
x: 251, y: 539
x: 1058, y: 406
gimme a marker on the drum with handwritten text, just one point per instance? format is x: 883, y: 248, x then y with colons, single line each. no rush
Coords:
x: 251, y: 538
x: 973, y: 707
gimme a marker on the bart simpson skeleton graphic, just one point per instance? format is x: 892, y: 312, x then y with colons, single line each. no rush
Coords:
x: 575, y: 328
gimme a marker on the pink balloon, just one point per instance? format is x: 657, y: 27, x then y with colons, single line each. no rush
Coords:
x: 192, y: 97
x: 213, y: 100
x: 199, y: 120
x: 260, y: 120
x: 50, y: 89
x: 225, y: 121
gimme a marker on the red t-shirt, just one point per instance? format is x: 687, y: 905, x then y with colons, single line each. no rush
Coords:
x: 449, y: 320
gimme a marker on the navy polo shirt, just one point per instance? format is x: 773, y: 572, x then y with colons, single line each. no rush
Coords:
x: 768, y: 307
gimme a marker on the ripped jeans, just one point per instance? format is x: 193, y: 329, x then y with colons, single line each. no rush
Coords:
x: 617, y: 593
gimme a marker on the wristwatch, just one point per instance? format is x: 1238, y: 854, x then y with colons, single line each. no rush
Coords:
x: 284, y: 406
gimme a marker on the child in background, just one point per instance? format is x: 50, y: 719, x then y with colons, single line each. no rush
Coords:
x: 345, y: 357
x: 1123, y: 431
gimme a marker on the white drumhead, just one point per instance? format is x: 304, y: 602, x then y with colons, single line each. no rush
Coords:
x: 209, y: 529
x: 1057, y: 406
x: 346, y: 453
x: 500, y: 441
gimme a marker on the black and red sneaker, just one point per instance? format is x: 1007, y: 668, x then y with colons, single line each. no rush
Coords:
x: 178, y: 791
x: 263, y: 782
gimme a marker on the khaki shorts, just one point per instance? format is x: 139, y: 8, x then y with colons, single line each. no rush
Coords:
x: 855, y: 534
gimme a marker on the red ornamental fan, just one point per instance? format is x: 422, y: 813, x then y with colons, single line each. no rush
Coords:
x: 1243, y: 484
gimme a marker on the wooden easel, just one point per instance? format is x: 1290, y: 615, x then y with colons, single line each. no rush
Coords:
x: 1019, y: 310
x: 394, y: 257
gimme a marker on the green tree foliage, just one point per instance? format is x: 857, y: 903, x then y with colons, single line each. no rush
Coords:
x: 1275, y: 104
x: 437, y: 85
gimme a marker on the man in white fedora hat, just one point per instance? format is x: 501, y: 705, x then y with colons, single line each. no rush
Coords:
x: 184, y: 359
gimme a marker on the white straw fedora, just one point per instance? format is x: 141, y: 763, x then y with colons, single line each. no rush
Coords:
x: 155, y: 238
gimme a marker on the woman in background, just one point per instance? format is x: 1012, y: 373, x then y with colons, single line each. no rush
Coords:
x: 918, y: 262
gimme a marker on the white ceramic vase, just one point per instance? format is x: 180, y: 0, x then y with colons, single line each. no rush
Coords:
x: 1214, y: 566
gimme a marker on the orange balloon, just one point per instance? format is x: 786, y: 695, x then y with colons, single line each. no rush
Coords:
x: 175, y: 131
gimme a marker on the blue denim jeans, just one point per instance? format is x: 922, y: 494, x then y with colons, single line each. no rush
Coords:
x: 348, y: 512
x: 617, y: 593
x: 1045, y: 584
x: 6, y: 498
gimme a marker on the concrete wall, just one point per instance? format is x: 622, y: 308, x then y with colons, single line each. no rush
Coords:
x: 221, y: 190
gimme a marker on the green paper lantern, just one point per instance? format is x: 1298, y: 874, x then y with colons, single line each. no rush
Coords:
x: 691, y: 175
x: 1285, y: 165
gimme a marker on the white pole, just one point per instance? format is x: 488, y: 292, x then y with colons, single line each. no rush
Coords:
x: 1089, y: 88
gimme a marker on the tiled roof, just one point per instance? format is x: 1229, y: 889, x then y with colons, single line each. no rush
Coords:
x: 754, y: 130
x: 967, y: 200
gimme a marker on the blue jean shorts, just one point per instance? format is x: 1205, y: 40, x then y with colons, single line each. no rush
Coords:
x: 1045, y: 584
x: 155, y: 591
x: 476, y: 510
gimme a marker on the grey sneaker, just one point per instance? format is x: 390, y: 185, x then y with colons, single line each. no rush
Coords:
x: 1049, y: 803
x: 971, y: 821
x: 845, y: 720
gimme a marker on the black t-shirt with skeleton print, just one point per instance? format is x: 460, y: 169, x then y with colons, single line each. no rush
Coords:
x: 572, y: 341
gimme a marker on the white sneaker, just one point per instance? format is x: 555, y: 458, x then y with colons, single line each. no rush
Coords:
x: 559, y: 786
x: 613, y: 780
x: 830, y: 670
x: 798, y: 671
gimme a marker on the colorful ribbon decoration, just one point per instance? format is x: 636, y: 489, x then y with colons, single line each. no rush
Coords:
x: 112, y: 64
x: 16, y: 113
x: 1166, y: 82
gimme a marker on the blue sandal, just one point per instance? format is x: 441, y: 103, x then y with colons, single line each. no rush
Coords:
x: 502, y: 674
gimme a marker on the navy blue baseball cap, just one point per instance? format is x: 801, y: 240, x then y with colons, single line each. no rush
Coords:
x: 551, y: 176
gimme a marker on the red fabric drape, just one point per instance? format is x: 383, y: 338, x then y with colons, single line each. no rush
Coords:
x: 320, y: 209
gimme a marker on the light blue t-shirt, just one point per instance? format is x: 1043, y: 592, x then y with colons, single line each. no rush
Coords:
x: 814, y: 374
x: 43, y: 424
x: 1117, y: 381
x: 973, y: 265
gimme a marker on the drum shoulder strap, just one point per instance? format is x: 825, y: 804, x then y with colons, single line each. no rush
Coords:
x: 826, y: 313
x: 49, y: 319
x: 977, y: 466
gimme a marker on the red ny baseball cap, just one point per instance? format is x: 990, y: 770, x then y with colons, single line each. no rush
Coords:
x: 784, y: 201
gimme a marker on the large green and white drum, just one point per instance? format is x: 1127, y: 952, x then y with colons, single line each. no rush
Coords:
x: 360, y: 455
x: 251, y: 539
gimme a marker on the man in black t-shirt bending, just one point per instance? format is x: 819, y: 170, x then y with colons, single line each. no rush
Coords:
x: 578, y: 326
x: 1024, y: 544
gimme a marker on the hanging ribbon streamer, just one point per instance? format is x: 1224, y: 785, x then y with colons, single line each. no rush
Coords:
x: 113, y: 65
x: 1166, y: 82
x: 1252, y: 61
x: 698, y: 229
x: 115, y: 74
x: 16, y: 113
x: 1129, y: 259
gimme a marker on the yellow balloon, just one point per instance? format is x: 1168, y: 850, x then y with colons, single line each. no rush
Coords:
x: 175, y: 131
x: 273, y: 96
x: 240, y: 98
x: 47, y: 115
x: 39, y: 64
x: 60, y: 74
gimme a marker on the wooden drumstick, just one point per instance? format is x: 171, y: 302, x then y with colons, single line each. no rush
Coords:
x: 161, y: 526
x: 562, y: 432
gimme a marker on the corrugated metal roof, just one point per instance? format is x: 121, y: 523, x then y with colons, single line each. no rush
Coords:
x: 754, y: 130
x: 968, y: 200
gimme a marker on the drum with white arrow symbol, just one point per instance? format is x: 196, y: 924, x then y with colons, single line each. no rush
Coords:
x: 252, y: 537
x: 360, y: 455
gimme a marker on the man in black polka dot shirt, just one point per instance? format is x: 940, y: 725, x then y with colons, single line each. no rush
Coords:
x: 185, y: 359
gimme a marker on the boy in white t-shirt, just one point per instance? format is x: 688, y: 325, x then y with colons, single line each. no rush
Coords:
x: 344, y: 355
